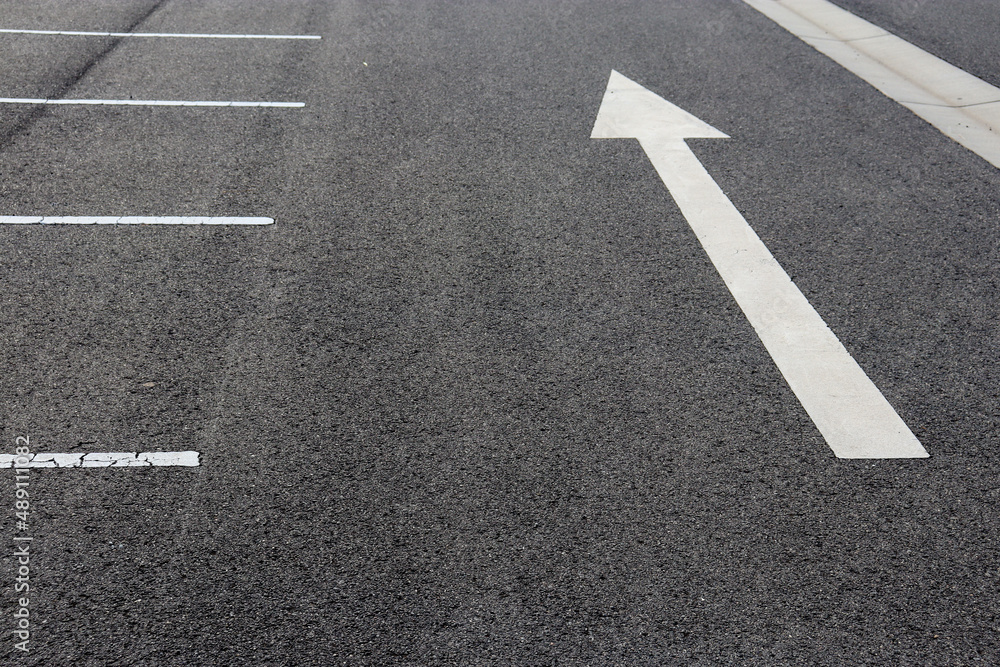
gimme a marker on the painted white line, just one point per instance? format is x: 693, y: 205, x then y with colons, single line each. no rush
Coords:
x: 128, y: 220
x: 151, y: 103
x: 960, y: 105
x: 82, y: 33
x: 103, y: 460
x: 847, y: 408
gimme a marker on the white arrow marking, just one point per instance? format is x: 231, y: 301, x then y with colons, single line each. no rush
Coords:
x: 102, y: 460
x: 847, y: 408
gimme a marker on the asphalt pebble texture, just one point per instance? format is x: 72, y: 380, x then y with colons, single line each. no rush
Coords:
x: 478, y: 397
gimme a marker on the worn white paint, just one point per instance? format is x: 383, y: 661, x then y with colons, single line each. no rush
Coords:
x: 960, y: 105
x: 847, y: 408
x: 103, y: 460
x: 151, y: 103
x: 129, y: 220
x: 82, y: 33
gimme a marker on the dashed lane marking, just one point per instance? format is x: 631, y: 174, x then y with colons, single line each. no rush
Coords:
x: 103, y: 460
x: 151, y: 103
x: 82, y: 33
x: 128, y: 220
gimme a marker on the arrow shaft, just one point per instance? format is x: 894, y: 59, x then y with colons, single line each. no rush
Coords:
x: 852, y: 414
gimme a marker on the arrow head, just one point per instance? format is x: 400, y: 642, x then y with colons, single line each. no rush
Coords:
x: 630, y: 111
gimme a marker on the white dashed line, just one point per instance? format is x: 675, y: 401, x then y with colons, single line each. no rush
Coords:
x: 152, y: 103
x: 104, y: 460
x: 127, y: 220
x: 82, y: 33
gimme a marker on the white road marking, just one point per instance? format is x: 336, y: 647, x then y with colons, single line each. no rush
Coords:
x: 151, y: 103
x: 847, y: 408
x: 128, y: 220
x: 81, y: 33
x: 104, y: 460
x: 960, y: 105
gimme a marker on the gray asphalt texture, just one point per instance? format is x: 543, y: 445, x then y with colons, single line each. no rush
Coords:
x: 479, y: 397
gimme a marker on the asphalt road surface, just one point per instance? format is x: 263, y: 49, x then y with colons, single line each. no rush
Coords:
x: 478, y: 396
